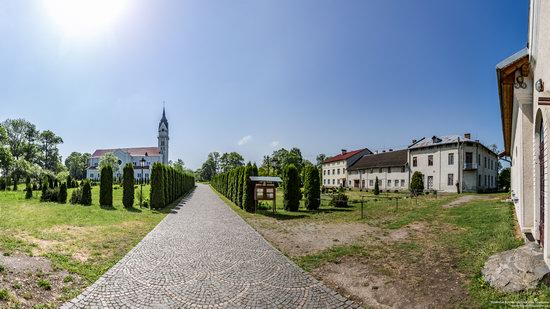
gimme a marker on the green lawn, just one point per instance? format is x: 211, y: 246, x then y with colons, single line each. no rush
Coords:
x: 85, y: 240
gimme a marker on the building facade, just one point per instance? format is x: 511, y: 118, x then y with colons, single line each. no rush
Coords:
x: 334, y: 169
x: 454, y: 164
x: 525, y: 110
x: 135, y: 156
x: 390, y: 168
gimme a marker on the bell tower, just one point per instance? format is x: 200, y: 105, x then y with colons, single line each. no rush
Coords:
x: 163, y: 137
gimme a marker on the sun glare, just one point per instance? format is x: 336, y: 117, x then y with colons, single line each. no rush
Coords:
x: 84, y: 17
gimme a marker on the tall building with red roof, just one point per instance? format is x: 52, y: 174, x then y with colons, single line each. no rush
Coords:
x: 334, y: 169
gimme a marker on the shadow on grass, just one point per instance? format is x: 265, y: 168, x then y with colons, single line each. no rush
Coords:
x: 278, y: 215
x: 106, y: 207
x: 133, y: 209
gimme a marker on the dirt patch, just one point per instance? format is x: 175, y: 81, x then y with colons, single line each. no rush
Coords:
x: 463, y: 199
x: 32, y: 281
x: 309, y: 238
x: 390, y: 283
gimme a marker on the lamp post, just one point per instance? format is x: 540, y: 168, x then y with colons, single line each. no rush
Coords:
x: 141, y: 164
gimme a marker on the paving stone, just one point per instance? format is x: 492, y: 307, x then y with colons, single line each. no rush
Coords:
x: 204, y: 255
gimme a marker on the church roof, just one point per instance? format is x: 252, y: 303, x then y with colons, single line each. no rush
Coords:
x: 135, y: 152
x: 163, y: 119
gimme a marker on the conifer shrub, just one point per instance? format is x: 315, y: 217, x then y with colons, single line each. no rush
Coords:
x: 2, y: 184
x: 86, y: 198
x: 417, y: 185
x: 128, y: 184
x: 62, y: 196
x: 157, y: 187
x: 28, y: 193
x: 376, y: 187
x: 76, y: 196
x: 106, y: 186
x: 292, y: 193
x: 312, y: 188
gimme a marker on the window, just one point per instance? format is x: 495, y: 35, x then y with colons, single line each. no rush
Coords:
x: 478, y: 159
x: 338, y: 170
x: 333, y: 172
x: 380, y: 170
x: 371, y: 183
x: 363, y: 183
x: 343, y: 170
x: 389, y: 183
x: 397, y: 182
x: 324, y: 172
x: 469, y: 158
x: 430, y: 160
x: 333, y: 181
x: 450, y: 179
x: 479, y: 180
x: 389, y: 170
x: 451, y: 158
x: 402, y: 169
x: 485, y: 181
x: 370, y: 170
x: 402, y: 182
x: 379, y: 182
x: 91, y: 175
x: 349, y: 183
x: 415, y: 161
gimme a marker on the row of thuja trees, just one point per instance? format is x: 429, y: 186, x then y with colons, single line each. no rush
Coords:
x: 237, y: 187
x: 167, y: 185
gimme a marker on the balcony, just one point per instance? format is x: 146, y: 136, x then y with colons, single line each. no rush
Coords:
x: 470, y: 166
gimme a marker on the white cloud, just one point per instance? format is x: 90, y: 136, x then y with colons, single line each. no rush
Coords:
x: 274, y: 143
x: 244, y: 140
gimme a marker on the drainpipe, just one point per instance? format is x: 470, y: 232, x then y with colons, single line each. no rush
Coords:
x: 460, y: 167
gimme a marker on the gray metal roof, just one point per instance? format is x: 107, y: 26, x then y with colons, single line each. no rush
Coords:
x: 515, y: 57
x: 441, y: 140
x: 265, y: 179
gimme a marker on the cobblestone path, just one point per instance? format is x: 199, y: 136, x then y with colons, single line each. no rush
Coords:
x: 203, y: 255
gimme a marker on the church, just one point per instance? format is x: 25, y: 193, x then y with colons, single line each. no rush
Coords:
x: 135, y: 155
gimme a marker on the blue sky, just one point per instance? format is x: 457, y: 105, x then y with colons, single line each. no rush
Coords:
x: 254, y: 76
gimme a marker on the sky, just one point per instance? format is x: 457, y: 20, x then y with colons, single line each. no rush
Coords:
x: 255, y: 76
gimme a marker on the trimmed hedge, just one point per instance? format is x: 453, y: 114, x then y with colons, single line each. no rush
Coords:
x: 168, y: 185
x: 106, y: 186
x: 292, y: 193
x: 128, y: 184
x: 28, y: 194
x: 237, y: 186
x: 86, y: 198
x: 62, y: 196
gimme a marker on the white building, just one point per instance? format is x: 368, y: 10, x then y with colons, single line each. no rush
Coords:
x: 134, y: 156
x: 391, y: 168
x: 525, y: 110
x: 335, y: 168
x: 451, y: 162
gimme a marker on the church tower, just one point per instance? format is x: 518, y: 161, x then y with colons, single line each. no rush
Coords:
x: 163, y: 137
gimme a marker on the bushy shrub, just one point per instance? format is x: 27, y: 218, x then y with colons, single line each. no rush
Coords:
x: 28, y: 193
x: 62, y: 196
x: 376, y: 187
x: 292, y: 192
x: 339, y: 200
x: 86, y: 198
x: 106, y: 186
x: 50, y: 195
x: 417, y: 185
x: 128, y: 183
x: 76, y: 196
x: 312, y: 188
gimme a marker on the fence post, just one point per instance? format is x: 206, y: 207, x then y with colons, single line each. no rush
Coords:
x: 362, y: 207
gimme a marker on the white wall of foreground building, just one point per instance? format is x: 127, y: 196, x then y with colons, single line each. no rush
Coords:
x: 524, y: 93
x: 93, y: 170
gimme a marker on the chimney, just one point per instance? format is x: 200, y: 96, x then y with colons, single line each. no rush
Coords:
x: 391, y: 149
x: 477, y: 141
x: 344, y: 151
x: 414, y: 141
x: 434, y: 139
x: 383, y: 151
x: 467, y: 135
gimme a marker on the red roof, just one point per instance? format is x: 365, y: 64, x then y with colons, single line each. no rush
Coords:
x: 139, y: 151
x: 343, y: 156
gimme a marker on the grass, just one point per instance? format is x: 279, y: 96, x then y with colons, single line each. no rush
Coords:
x: 84, y: 240
x: 44, y: 284
x: 468, y: 234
